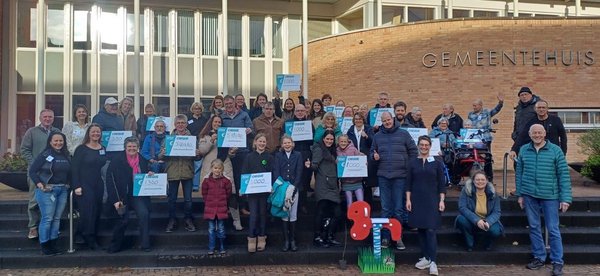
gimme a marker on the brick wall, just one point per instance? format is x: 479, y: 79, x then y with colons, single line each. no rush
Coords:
x: 356, y: 66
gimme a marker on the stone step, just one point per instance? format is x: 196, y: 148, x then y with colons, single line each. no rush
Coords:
x: 307, y: 254
x: 16, y: 240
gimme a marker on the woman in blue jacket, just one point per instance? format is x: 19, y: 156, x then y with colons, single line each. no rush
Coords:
x: 50, y: 172
x: 479, y: 209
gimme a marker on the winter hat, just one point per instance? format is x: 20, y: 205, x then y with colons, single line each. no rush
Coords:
x: 524, y: 89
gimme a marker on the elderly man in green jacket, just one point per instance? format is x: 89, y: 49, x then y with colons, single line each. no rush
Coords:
x: 543, y: 184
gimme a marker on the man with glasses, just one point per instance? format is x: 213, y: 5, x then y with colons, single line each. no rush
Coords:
x: 382, y: 102
x: 555, y: 130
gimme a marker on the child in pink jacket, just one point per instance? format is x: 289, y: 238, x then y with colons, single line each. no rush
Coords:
x: 350, y: 184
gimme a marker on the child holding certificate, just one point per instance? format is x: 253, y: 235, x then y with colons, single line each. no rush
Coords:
x: 216, y: 189
x: 258, y: 161
x: 350, y: 184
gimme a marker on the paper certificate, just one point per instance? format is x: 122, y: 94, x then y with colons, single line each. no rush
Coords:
x: 114, y: 140
x: 345, y: 124
x: 231, y: 137
x: 299, y: 130
x: 255, y: 183
x: 471, y: 135
x: 288, y: 82
x: 146, y: 185
x: 152, y: 120
x: 435, y: 147
x: 337, y: 110
x: 415, y: 133
x: 180, y: 145
x: 375, y: 115
x: 352, y: 166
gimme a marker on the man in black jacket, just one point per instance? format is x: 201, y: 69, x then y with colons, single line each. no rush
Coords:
x: 455, y: 122
x: 524, y: 111
x: 555, y: 130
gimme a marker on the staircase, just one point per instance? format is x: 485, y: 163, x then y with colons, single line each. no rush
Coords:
x: 580, y: 228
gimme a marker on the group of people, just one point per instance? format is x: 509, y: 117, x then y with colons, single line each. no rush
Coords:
x: 411, y: 183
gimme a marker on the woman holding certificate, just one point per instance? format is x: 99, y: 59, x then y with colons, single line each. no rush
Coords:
x: 258, y: 161
x: 119, y: 185
x: 326, y: 189
x: 207, y: 147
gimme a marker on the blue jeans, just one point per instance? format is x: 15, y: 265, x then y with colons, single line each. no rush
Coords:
x: 52, y: 204
x: 469, y: 230
x: 187, y: 198
x: 391, y: 192
x: 197, y: 176
x: 219, y: 226
x: 549, y: 208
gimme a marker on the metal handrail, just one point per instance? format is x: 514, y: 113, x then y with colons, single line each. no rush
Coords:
x: 504, y: 175
x: 71, y: 234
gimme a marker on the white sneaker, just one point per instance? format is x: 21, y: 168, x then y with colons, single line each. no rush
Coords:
x: 423, y: 263
x: 376, y: 191
x: 433, y: 269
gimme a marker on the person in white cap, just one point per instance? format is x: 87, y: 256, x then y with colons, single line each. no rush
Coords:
x: 108, y: 117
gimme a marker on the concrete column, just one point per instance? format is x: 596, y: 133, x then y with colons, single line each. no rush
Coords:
x: 578, y: 7
x: 225, y: 49
x: 515, y: 8
x: 379, y: 12
x: 40, y: 100
x: 305, y: 48
x: 136, y: 57
x: 450, y: 8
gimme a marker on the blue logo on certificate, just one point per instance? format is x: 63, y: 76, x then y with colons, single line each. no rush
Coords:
x: 299, y: 130
x: 231, y: 137
x: 255, y: 183
x: 150, y: 185
x: 180, y: 145
x: 114, y: 140
x: 352, y: 166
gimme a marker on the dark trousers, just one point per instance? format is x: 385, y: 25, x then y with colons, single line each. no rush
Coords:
x: 187, y: 198
x: 327, y: 208
x: 258, y: 214
x: 468, y: 230
x: 141, y: 205
x: 428, y: 241
x: 90, y: 208
x: 488, y: 168
x: 237, y: 163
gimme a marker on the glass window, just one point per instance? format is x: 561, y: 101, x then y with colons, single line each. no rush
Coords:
x: 185, y: 76
x: 56, y: 104
x: 572, y: 118
x: 521, y: 14
x: 210, y: 77
x: 108, y: 73
x: 26, y: 117
x: 210, y: 40
x: 277, y: 69
x: 82, y: 29
x: 55, y: 33
x: 419, y: 14
x: 456, y: 13
x: 160, y: 75
x: 110, y: 29
x: 161, y: 105
x: 26, y: 24
x: 392, y: 15
x: 234, y: 37
x: 318, y: 28
x: 257, y: 36
x: 185, y: 32
x: 350, y: 22
x: 257, y: 77
x: 54, y: 72
x: 161, y: 32
x: 82, y: 72
x: 131, y: 32
x: 277, y: 37
x: 485, y: 14
x: 26, y: 75
x: 183, y: 105
x: 131, y: 72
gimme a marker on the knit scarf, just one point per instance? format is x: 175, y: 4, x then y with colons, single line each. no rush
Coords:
x: 134, y: 163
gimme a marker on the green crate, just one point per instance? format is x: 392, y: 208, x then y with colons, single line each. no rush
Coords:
x: 369, y: 265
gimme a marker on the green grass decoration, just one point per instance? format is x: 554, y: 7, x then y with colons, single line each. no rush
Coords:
x: 369, y: 265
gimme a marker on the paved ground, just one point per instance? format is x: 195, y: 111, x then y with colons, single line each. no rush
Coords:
x: 301, y: 270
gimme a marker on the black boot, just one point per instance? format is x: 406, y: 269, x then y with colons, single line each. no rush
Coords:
x: 46, y: 249
x: 90, y: 240
x: 54, y: 247
x: 292, y: 237
x: 331, y: 240
x: 286, y: 238
x: 319, y: 241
